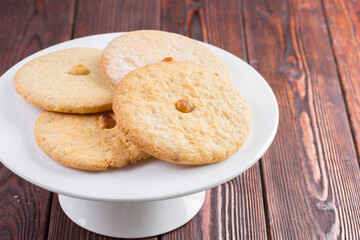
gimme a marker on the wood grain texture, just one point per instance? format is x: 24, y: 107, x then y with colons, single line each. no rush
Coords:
x: 235, y: 209
x: 27, y: 27
x: 95, y: 17
x: 24, y: 208
x: 344, y: 24
x: 311, y: 172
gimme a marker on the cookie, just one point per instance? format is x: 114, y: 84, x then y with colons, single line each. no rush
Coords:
x: 88, y: 141
x: 139, y: 48
x: 182, y: 112
x: 70, y: 80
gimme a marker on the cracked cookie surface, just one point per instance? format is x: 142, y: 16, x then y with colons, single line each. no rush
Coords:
x: 209, y: 124
x: 78, y: 141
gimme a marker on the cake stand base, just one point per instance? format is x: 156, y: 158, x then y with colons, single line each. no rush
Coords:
x: 132, y: 219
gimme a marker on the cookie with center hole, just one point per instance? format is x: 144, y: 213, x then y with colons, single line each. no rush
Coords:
x: 88, y: 141
x: 69, y: 80
x: 139, y: 48
x: 182, y: 112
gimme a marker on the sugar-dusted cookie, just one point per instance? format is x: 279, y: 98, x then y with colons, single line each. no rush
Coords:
x: 88, y: 141
x: 182, y: 112
x: 70, y: 80
x: 139, y: 48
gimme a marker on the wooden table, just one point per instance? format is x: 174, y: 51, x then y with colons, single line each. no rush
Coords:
x: 306, y: 186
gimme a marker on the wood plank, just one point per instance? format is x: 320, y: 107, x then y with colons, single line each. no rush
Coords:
x: 344, y: 24
x: 311, y: 173
x: 235, y: 209
x: 26, y: 27
x: 116, y: 16
x: 29, y: 26
x: 106, y: 16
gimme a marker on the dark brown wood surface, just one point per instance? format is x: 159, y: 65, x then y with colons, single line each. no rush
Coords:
x: 307, y: 185
x: 344, y: 26
x: 311, y: 172
x: 27, y: 27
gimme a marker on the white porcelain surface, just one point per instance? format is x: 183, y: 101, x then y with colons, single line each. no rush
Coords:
x: 132, y: 219
x: 147, y: 180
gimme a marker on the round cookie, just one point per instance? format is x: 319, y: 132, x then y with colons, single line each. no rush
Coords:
x: 139, y: 48
x: 78, y: 141
x: 146, y: 107
x: 46, y: 82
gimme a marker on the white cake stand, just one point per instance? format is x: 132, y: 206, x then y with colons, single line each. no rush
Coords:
x: 132, y: 219
x: 141, y: 200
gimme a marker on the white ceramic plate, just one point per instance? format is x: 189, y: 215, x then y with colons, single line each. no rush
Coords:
x: 147, y: 180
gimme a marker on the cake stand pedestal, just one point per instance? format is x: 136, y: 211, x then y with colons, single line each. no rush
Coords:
x: 132, y: 219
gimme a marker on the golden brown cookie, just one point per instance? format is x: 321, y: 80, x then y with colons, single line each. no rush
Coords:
x: 139, y: 48
x: 70, y: 80
x: 182, y: 112
x: 89, y: 141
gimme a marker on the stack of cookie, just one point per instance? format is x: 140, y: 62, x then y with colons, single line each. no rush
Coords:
x: 172, y: 98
